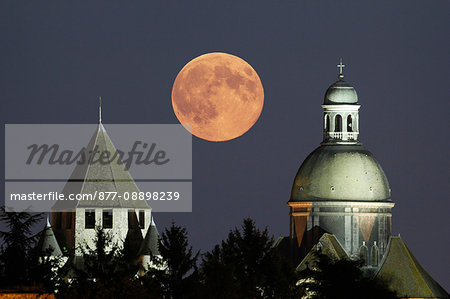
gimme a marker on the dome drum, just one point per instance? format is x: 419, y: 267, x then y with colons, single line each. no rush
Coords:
x: 351, y: 222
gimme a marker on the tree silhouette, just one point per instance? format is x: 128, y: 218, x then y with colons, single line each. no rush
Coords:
x: 18, y: 243
x: 102, y: 271
x: 328, y: 278
x: 45, y: 270
x: 247, y: 266
x: 175, y: 271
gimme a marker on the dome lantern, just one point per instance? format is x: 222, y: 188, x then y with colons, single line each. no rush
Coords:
x: 340, y: 106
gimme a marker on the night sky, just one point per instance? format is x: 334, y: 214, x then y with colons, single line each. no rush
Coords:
x: 57, y: 57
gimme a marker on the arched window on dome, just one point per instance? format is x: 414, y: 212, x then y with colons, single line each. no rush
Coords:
x: 327, y: 123
x: 338, y: 123
x: 349, y: 123
x: 364, y: 254
x: 374, y: 254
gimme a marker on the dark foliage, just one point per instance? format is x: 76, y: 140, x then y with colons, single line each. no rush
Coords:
x: 102, y: 271
x: 175, y: 272
x: 328, y: 278
x: 44, y: 270
x: 247, y: 266
x: 18, y: 243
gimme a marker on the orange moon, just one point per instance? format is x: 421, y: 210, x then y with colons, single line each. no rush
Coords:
x: 217, y: 96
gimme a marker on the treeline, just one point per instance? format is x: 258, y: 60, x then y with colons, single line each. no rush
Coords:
x: 244, y: 265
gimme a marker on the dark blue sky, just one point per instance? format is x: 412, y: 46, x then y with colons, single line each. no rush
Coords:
x: 57, y: 57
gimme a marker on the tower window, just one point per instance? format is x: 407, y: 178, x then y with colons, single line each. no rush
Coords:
x: 338, y: 123
x: 374, y: 254
x: 89, y: 219
x: 141, y: 219
x: 364, y: 254
x: 349, y: 124
x: 107, y: 219
x: 327, y: 123
x: 132, y: 221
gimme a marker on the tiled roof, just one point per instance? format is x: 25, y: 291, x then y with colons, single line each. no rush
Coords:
x: 87, y: 178
x: 405, y: 275
x: 330, y: 246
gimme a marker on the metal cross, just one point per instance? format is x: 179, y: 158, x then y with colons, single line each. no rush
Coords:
x: 340, y: 66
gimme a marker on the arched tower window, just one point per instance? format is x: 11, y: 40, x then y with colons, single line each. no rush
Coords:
x: 338, y: 123
x: 327, y: 123
x: 374, y: 254
x: 349, y: 123
x: 364, y: 254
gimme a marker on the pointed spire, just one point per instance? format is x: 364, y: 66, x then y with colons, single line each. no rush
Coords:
x: 150, y: 243
x: 99, y: 110
x: 48, y: 245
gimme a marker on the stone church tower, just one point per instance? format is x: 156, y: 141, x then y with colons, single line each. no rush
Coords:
x: 129, y: 222
x: 340, y: 188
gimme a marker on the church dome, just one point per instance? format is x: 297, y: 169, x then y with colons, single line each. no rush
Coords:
x: 340, y: 92
x: 340, y: 173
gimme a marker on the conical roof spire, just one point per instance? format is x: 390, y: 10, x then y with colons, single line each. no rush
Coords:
x: 47, y: 245
x: 150, y: 243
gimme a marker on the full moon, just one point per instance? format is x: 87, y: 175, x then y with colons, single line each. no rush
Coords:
x: 217, y: 96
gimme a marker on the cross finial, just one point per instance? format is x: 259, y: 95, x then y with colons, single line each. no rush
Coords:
x: 341, y: 66
x: 100, y: 110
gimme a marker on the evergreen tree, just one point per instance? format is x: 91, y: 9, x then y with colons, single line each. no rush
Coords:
x: 329, y: 278
x: 175, y: 271
x: 45, y: 270
x: 18, y: 243
x: 103, y: 271
x: 247, y: 266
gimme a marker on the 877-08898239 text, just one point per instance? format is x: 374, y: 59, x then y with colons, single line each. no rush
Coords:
x: 155, y: 195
